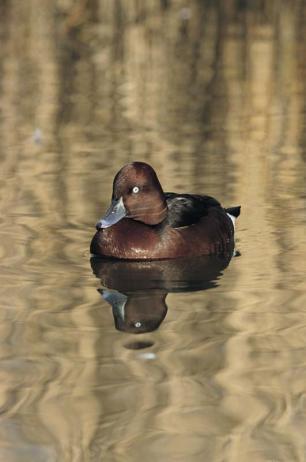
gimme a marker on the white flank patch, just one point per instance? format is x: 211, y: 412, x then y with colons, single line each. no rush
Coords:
x: 232, y: 218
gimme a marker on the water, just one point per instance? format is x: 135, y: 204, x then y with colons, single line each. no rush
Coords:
x: 214, y: 98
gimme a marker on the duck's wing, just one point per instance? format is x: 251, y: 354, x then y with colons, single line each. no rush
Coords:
x: 187, y: 209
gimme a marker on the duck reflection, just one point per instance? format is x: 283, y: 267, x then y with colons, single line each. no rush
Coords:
x: 137, y: 312
x: 137, y: 290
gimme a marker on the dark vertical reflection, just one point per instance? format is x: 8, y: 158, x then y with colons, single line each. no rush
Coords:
x: 213, y: 95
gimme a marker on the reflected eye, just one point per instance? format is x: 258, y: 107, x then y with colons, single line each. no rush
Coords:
x: 135, y: 189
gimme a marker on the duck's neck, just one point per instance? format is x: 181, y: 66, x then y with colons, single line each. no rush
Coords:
x: 152, y: 211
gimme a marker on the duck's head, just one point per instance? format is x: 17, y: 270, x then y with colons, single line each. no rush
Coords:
x: 138, y: 195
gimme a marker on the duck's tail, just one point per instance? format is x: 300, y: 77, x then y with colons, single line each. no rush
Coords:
x: 233, y: 213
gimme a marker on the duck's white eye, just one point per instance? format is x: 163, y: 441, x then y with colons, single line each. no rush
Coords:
x: 135, y: 189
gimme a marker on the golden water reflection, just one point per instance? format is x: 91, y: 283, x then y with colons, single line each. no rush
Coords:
x: 213, y: 96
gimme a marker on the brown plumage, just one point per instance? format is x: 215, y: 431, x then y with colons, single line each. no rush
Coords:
x: 144, y: 223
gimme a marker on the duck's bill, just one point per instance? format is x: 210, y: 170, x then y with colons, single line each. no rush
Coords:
x: 116, y: 299
x: 114, y: 214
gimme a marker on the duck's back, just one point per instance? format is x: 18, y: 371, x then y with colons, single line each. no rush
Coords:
x: 188, y: 209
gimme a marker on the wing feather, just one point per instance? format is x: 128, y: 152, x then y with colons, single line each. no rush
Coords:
x: 187, y: 209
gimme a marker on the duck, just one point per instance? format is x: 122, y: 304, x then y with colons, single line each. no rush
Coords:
x: 145, y: 223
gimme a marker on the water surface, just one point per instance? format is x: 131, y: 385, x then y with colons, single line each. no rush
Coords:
x: 214, y: 98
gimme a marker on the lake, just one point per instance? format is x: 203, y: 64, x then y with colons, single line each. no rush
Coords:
x: 156, y: 361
